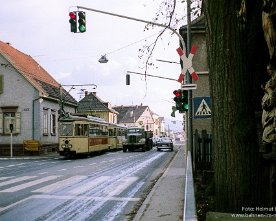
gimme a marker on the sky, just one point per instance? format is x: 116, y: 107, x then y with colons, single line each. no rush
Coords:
x: 41, y: 29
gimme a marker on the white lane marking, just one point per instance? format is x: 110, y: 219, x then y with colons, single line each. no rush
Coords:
x: 61, y: 170
x: 29, y: 184
x: 5, y: 177
x: 14, y: 204
x: 89, y: 185
x: 55, y: 197
x: 43, y: 173
x: 85, y: 198
x: 15, y: 180
x: 91, y: 164
x: 121, y: 185
x: 60, y: 184
x: 78, y: 166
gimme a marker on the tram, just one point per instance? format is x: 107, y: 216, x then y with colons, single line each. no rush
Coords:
x: 82, y: 134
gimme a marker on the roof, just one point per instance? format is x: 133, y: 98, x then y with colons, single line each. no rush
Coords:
x: 130, y: 114
x: 197, y: 24
x: 34, y: 73
x: 92, y: 103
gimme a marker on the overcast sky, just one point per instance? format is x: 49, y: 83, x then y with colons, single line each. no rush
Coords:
x: 41, y: 29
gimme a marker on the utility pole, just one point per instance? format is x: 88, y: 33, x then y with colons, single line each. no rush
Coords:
x: 189, y: 81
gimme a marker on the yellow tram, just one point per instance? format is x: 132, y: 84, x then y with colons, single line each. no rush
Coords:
x: 88, y: 134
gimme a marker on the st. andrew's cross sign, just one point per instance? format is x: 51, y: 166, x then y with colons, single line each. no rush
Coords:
x: 187, y: 64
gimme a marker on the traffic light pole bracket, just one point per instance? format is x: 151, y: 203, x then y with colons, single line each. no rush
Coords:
x: 139, y: 20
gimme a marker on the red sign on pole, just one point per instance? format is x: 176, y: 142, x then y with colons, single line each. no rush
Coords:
x: 187, y: 64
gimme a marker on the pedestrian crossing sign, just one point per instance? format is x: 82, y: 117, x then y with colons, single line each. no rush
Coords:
x: 202, y: 107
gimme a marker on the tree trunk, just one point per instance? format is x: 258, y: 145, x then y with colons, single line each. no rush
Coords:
x: 233, y: 120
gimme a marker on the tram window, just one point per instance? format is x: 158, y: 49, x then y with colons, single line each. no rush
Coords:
x: 104, y: 130
x: 66, y: 130
x: 81, y: 129
x: 110, y: 132
x: 94, y: 131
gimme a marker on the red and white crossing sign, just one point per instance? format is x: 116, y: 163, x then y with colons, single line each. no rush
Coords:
x: 187, y: 64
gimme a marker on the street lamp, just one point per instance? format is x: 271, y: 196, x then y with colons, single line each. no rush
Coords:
x: 103, y: 59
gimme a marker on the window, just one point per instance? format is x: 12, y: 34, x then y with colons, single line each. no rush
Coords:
x: 66, y: 129
x: 81, y: 129
x: 45, y: 122
x: 53, y: 122
x: 8, y: 118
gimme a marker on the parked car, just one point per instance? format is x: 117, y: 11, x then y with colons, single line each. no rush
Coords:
x: 164, y: 143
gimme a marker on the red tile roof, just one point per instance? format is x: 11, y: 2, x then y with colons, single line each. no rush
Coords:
x: 28, y: 67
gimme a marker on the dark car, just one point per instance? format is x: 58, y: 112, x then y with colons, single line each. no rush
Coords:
x: 164, y: 143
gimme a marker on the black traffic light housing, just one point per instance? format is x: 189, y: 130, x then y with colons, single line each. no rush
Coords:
x: 181, y: 100
x: 82, y: 21
x: 73, y: 21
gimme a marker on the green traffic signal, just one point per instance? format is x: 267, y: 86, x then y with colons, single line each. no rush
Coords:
x: 181, y: 100
x: 82, y: 21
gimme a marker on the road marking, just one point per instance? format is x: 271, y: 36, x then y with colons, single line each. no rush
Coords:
x: 29, y: 184
x: 43, y: 173
x: 57, y: 197
x: 86, y: 198
x: 5, y: 177
x: 78, y: 166
x: 121, y: 185
x: 61, y: 170
x: 60, y: 184
x: 15, y: 180
x: 89, y: 185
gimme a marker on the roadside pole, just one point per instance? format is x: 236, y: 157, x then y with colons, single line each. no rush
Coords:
x: 11, y: 129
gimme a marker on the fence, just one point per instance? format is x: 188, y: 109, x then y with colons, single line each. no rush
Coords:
x: 202, y: 151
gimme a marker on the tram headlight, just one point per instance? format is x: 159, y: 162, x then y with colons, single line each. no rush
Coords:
x: 69, y: 146
x: 63, y: 146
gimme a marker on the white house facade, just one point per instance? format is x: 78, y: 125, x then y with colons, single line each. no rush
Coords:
x: 29, y: 100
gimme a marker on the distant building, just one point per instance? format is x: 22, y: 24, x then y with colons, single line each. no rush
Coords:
x: 91, y: 104
x: 29, y: 100
x: 135, y: 116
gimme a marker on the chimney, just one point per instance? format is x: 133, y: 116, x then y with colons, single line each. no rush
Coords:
x: 85, y: 93
x: 94, y: 93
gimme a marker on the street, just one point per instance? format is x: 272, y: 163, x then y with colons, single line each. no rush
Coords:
x: 105, y: 187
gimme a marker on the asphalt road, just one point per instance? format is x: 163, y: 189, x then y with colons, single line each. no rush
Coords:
x: 105, y: 187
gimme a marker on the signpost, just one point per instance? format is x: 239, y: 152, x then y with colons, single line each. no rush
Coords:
x: 11, y: 129
x: 187, y: 87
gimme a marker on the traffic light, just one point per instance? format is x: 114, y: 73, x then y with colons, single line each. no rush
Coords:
x: 184, y: 106
x: 127, y: 79
x: 181, y: 100
x: 82, y: 22
x: 177, y: 98
x: 73, y: 21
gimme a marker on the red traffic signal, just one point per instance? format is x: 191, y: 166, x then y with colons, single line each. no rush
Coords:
x: 177, y: 93
x: 73, y: 15
x: 73, y: 21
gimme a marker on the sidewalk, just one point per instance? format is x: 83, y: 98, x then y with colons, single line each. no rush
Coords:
x: 166, y: 200
x: 31, y: 157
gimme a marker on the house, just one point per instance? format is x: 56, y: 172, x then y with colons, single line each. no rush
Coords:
x: 29, y: 100
x: 159, y: 125
x: 135, y: 116
x: 91, y: 104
